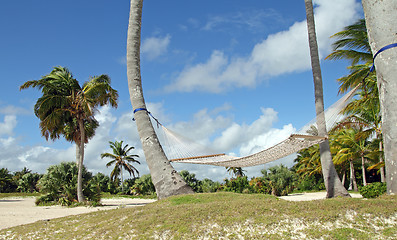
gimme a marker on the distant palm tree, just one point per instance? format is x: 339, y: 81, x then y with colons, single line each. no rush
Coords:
x: 65, y: 101
x: 237, y: 171
x: 121, y: 159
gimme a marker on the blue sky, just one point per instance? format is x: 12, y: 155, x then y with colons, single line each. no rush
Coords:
x: 229, y: 74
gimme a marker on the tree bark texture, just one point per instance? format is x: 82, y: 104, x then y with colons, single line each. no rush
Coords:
x: 381, y: 21
x: 165, y: 178
x: 332, y: 182
x: 80, y: 195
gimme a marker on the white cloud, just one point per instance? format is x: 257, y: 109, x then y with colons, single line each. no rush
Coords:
x: 14, y: 110
x: 7, y: 127
x: 280, y: 53
x: 155, y: 46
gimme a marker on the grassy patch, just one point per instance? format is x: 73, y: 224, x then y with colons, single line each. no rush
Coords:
x: 16, y: 194
x: 228, y: 216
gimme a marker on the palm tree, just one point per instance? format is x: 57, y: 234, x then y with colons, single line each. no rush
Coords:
x: 381, y: 22
x: 64, y: 102
x: 237, y: 171
x: 165, y: 178
x: 353, y: 45
x: 332, y: 182
x: 352, y: 147
x: 121, y: 159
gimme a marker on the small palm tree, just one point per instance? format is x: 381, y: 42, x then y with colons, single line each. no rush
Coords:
x: 65, y: 103
x: 121, y: 159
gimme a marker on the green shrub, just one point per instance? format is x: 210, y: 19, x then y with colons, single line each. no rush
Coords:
x: 207, y: 186
x: 280, y: 179
x: 237, y: 185
x: 260, y: 185
x: 143, y: 186
x: 373, y: 190
x: 59, y: 185
x: 191, y: 180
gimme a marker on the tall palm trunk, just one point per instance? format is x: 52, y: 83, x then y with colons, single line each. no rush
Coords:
x: 381, y: 21
x: 77, y: 153
x: 353, y: 181
x: 363, y: 171
x: 165, y: 179
x: 382, y: 169
x: 80, y: 195
x: 332, y: 182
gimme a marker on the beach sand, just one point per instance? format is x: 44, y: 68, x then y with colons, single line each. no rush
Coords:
x: 18, y: 211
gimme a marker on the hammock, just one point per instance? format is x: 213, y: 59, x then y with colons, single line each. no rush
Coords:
x: 182, y: 150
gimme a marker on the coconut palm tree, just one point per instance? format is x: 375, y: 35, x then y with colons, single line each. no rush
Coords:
x: 352, y: 147
x: 236, y: 171
x: 353, y: 45
x: 332, y: 182
x: 165, y: 178
x: 65, y: 101
x: 121, y: 159
x: 381, y: 22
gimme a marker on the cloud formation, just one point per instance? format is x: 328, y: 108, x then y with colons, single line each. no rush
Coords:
x: 280, y: 53
x: 154, y: 47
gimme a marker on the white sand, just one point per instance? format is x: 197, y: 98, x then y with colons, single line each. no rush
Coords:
x: 18, y: 211
x: 311, y: 196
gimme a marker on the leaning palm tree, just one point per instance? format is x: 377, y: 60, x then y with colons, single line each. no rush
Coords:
x: 121, y: 159
x: 332, y: 182
x: 165, y: 178
x: 65, y: 101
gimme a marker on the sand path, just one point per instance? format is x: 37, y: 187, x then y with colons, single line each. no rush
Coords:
x: 18, y: 211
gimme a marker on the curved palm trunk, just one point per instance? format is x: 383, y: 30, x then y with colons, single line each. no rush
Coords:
x: 165, y: 179
x: 80, y: 195
x: 381, y: 21
x: 332, y: 182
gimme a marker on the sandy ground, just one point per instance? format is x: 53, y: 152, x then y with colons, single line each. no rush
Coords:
x: 312, y: 196
x: 18, y: 211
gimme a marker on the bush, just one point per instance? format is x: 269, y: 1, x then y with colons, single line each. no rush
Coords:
x: 28, y: 182
x: 207, y: 185
x: 143, y: 186
x: 260, y: 185
x: 60, y: 185
x: 237, y: 185
x: 191, y: 180
x: 280, y: 179
x: 373, y: 190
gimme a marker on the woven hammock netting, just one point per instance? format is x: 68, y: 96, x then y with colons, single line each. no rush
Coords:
x: 183, y: 150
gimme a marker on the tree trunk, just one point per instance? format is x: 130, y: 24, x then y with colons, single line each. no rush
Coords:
x: 80, y: 195
x: 77, y: 153
x: 382, y: 169
x: 353, y: 182
x: 122, y: 180
x: 363, y: 171
x: 332, y: 182
x: 165, y: 178
x: 344, y: 178
x: 381, y: 21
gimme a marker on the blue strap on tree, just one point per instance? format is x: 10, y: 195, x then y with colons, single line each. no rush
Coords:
x: 381, y: 50
x: 144, y: 109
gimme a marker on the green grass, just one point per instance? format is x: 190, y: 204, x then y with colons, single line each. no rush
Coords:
x: 17, y: 194
x: 228, y: 216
